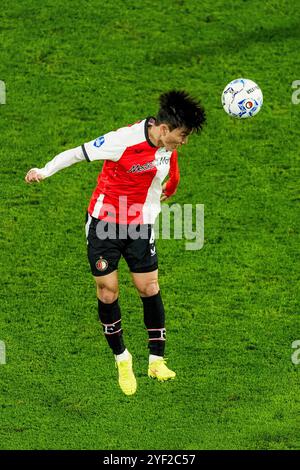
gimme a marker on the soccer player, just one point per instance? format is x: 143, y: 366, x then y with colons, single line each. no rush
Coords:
x: 121, y: 215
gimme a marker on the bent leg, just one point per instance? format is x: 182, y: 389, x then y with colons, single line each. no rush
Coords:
x: 154, y: 313
x: 154, y: 318
x: 109, y: 310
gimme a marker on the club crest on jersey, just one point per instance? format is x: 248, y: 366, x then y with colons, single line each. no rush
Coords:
x: 100, y: 141
x: 102, y: 264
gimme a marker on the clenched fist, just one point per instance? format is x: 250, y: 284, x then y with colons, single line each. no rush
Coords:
x: 33, y: 175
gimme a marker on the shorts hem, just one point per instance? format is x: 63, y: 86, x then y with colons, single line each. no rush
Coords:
x: 148, y: 269
x: 103, y: 273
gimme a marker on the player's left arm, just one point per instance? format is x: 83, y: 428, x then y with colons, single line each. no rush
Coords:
x: 169, y: 188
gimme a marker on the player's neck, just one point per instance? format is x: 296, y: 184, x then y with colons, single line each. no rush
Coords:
x: 154, y: 136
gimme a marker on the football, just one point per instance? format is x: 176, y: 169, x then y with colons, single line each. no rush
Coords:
x: 242, y: 98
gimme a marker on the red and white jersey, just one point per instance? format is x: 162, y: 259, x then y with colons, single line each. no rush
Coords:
x: 130, y: 183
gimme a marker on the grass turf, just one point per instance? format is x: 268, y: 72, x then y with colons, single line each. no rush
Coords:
x: 74, y: 70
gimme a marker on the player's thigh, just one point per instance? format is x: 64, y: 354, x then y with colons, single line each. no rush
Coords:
x: 109, y: 281
x: 146, y: 283
x: 107, y: 287
x: 140, y: 251
x: 103, y: 252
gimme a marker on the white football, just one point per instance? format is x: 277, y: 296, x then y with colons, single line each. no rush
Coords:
x: 242, y: 98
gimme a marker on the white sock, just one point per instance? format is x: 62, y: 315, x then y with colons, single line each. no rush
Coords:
x: 153, y: 358
x: 123, y: 357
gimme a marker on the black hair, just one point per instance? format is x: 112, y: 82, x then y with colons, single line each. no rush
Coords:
x: 179, y: 109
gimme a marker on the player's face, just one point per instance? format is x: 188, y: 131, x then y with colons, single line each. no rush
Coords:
x: 173, y: 139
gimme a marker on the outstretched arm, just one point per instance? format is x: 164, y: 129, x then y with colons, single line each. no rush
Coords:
x: 62, y: 160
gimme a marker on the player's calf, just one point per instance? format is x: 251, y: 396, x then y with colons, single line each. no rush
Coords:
x: 154, y: 318
x: 110, y: 317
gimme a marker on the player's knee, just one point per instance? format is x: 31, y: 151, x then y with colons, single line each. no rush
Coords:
x: 107, y: 295
x: 152, y: 288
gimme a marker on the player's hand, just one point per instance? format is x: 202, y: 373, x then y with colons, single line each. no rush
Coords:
x: 33, y: 176
x: 163, y: 196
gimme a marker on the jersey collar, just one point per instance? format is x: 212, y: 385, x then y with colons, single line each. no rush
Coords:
x: 149, y: 121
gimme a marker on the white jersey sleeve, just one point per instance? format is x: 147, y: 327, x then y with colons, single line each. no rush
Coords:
x: 62, y: 160
x: 112, y: 145
x: 107, y: 147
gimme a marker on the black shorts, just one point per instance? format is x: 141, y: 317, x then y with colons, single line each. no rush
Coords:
x: 106, y: 242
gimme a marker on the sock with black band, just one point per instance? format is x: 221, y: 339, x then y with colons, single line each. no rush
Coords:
x: 110, y: 317
x: 154, y: 318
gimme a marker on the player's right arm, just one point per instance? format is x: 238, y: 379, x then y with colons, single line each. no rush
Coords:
x: 107, y: 147
x: 62, y: 160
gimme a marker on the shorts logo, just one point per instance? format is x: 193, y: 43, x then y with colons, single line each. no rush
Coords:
x: 102, y: 264
x: 100, y: 141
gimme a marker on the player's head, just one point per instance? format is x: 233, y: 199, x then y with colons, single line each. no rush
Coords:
x: 179, y: 115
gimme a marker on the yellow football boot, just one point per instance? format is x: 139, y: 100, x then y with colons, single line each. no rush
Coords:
x: 127, y: 380
x: 158, y: 370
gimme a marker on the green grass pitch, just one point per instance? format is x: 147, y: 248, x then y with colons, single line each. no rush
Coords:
x: 74, y: 70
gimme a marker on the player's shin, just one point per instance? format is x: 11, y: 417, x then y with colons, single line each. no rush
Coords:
x: 154, y: 318
x: 110, y: 317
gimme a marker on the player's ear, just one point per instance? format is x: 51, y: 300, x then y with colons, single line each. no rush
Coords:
x: 164, y: 129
